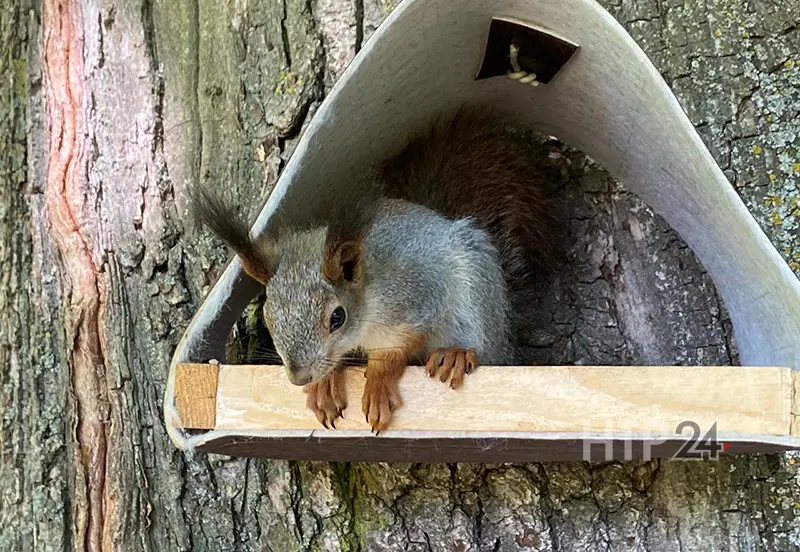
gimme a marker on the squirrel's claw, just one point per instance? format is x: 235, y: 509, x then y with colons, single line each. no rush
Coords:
x: 434, y: 362
x: 327, y: 399
x: 381, y: 397
x: 451, y: 363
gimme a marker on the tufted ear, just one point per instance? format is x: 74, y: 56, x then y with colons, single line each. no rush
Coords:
x: 348, y: 222
x: 343, y: 262
x: 257, y: 263
x: 258, y: 258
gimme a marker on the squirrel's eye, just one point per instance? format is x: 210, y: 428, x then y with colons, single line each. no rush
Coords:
x: 338, y: 317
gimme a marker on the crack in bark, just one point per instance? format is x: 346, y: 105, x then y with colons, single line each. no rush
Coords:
x: 65, y: 200
x: 359, y: 17
x: 546, y: 505
x: 194, y: 37
x: 287, y: 53
x: 296, y: 498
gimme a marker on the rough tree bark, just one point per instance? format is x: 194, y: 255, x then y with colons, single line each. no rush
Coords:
x: 109, y: 109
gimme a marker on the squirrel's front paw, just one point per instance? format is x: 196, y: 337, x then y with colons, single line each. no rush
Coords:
x: 451, y: 363
x: 327, y: 398
x: 381, y: 398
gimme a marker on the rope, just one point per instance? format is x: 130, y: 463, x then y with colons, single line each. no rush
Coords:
x: 518, y: 74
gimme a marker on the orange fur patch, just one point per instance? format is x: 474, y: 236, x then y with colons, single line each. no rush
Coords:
x: 384, y: 368
x: 256, y: 269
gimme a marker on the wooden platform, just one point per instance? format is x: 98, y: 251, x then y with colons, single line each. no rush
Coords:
x: 500, y: 414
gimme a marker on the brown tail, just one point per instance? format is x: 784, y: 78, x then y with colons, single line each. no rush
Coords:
x: 473, y: 165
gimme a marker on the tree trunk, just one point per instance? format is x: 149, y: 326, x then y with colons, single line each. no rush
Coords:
x: 109, y: 109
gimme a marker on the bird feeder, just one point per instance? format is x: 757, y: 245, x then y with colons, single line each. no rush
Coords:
x: 566, y: 69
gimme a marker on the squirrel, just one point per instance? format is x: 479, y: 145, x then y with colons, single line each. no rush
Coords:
x: 416, y: 271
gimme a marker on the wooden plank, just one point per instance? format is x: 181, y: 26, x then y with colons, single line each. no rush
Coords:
x: 196, y: 395
x: 330, y: 446
x: 529, y: 400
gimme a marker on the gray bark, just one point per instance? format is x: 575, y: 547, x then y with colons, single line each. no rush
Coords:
x: 177, y: 91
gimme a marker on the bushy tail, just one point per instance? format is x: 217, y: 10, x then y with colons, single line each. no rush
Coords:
x: 475, y: 165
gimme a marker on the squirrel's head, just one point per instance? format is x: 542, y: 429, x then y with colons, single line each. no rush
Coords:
x: 313, y: 301
x: 314, y: 280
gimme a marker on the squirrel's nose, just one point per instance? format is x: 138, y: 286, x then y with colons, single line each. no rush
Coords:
x: 297, y: 375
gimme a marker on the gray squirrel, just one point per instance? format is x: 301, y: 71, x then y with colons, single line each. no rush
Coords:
x: 417, y: 271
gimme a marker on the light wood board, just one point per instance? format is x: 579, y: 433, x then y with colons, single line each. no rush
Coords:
x: 530, y: 399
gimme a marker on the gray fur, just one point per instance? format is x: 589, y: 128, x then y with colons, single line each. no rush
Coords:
x: 436, y: 277
x: 441, y: 276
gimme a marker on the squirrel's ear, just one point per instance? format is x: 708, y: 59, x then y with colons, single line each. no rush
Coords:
x: 208, y: 209
x: 348, y: 222
x: 342, y: 262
